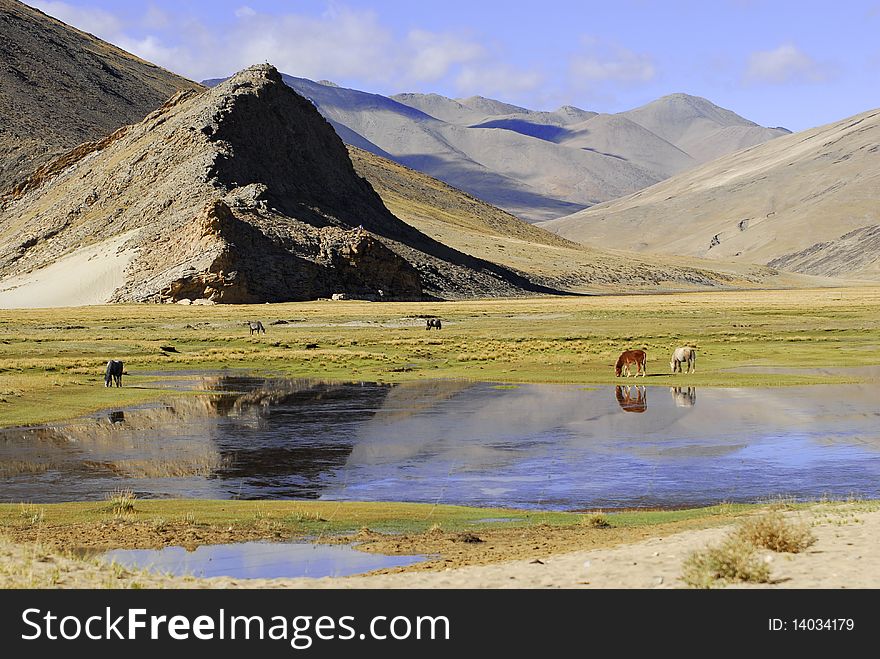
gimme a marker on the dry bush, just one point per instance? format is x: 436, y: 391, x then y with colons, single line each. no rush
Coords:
x: 596, y: 521
x: 775, y: 532
x: 731, y: 561
x: 121, y: 501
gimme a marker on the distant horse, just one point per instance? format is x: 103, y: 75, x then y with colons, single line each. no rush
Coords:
x: 630, y: 358
x: 628, y: 402
x: 113, y: 374
x: 683, y: 397
x: 433, y: 322
x: 684, y: 355
x: 256, y: 327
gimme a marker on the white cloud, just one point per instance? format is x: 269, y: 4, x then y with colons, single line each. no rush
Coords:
x: 785, y: 64
x: 603, y: 61
x: 433, y: 55
x: 88, y: 19
x: 155, y: 18
x: 244, y: 11
x: 342, y: 43
x: 497, y: 79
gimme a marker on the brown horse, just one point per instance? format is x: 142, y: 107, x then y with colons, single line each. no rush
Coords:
x: 629, y: 358
x: 628, y: 402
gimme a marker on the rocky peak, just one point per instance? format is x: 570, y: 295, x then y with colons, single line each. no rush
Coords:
x: 239, y: 193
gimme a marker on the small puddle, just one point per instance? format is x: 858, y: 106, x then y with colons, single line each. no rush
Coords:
x: 258, y: 560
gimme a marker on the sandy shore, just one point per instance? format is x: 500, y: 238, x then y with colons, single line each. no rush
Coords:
x: 846, y: 555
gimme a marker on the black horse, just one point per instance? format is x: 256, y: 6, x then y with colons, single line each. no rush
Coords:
x: 433, y: 322
x: 113, y: 374
x: 256, y: 327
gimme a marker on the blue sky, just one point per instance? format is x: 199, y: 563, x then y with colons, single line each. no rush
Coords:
x: 794, y: 64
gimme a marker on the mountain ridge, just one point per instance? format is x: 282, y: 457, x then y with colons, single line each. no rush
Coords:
x: 537, y: 165
x: 241, y: 193
x: 799, y: 202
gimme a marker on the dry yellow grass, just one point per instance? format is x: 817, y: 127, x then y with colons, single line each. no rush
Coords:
x: 777, y: 532
x: 52, y: 361
x: 732, y: 561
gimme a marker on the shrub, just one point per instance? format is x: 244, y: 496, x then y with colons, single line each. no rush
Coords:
x: 775, y: 532
x: 596, y: 521
x: 121, y: 501
x: 731, y: 561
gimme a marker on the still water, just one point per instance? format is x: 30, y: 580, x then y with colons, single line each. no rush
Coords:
x: 258, y: 560
x: 531, y: 446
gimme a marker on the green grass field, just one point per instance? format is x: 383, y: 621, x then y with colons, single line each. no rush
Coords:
x: 51, y: 361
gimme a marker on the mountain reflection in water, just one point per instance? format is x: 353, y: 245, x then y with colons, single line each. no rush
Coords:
x: 552, y: 446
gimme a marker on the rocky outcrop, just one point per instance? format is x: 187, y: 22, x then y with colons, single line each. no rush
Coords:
x: 238, y: 194
x: 223, y: 259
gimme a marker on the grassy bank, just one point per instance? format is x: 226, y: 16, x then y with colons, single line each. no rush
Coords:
x: 51, y: 361
x: 58, y: 523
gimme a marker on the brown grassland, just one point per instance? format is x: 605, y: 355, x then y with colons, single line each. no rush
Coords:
x: 51, y: 361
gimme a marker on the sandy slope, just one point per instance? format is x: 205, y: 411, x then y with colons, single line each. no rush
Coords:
x: 846, y: 555
x: 89, y: 275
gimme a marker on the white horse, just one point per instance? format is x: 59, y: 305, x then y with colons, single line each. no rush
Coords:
x: 683, y: 397
x: 682, y: 355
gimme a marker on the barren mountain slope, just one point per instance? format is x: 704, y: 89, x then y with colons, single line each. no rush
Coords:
x: 699, y: 127
x: 808, y: 202
x: 60, y: 87
x: 241, y: 193
x: 536, y: 165
x: 469, y: 225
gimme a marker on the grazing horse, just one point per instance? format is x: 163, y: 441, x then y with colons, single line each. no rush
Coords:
x: 683, y: 397
x: 113, y: 374
x: 630, y: 403
x: 684, y: 355
x: 629, y: 358
x: 256, y: 327
x: 433, y: 322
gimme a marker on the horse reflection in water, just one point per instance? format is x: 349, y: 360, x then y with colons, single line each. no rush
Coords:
x: 684, y: 397
x: 632, y: 399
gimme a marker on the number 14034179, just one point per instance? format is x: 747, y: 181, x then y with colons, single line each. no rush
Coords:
x: 812, y: 625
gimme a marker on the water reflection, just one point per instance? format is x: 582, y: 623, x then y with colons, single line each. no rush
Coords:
x: 550, y: 446
x: 258, y: 560
x: 246, y: 437
x: 632, y: 399
x: 684, y: 397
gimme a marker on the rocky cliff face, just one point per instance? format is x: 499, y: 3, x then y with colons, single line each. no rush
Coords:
x: 241, y: 193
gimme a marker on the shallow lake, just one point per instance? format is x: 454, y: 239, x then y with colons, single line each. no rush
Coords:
x: 258, y: 560
x: 531, y: 446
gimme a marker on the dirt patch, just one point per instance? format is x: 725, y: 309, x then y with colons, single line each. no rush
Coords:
x: 132, y: 534
x: 500, y: 545
x: 450, y: 548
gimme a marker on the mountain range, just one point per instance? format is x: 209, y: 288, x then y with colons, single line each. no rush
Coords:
x: 536, y: 165
x: 245, y: 191
x: 806, y: 202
